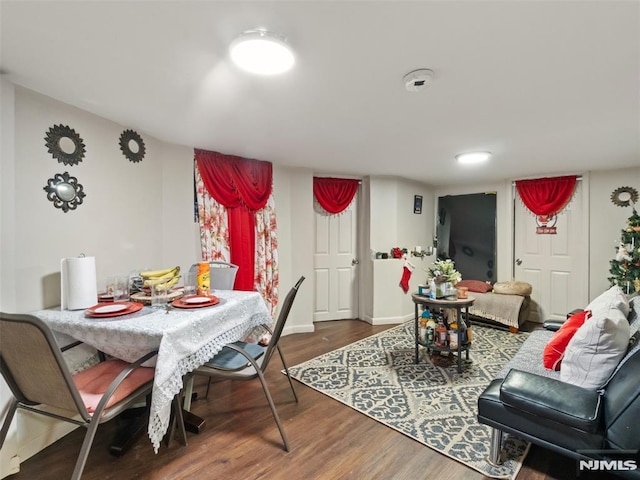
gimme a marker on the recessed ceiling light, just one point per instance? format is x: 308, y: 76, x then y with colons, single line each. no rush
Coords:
x: 473, y: 157
x: 262, y: 52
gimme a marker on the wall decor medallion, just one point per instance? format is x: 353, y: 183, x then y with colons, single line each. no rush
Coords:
x: 132, y: 146
x: 65, y: 144
x: 624, y: 196
x: 64, y: 191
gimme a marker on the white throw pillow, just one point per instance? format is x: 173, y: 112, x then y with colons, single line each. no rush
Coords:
x: 599, y: 344
x: 614, y: 297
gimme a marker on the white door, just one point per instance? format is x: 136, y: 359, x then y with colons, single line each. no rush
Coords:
x: 335, y: 265
x: 556, y: 265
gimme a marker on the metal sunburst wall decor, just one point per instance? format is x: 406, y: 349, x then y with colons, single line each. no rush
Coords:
x: 132, y: 146
x: 624, y: 196
x: 65, y: 144
x: 64, y: 191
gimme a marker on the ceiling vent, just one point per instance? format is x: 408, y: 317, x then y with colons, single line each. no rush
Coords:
x: 418, y: 79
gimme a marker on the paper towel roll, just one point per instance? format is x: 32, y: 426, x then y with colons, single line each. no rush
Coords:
x: 78, y: 283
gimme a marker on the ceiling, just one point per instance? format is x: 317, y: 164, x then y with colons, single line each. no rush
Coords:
x: 549, y: 87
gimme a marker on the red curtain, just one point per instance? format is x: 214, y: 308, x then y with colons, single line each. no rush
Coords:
x: 243, y: 186
x: 546, y: 196
x: 334, y: 194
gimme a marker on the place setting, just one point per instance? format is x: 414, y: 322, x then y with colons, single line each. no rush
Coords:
x: 112, y: 309
x: 195, y: 295
x: 196, y: 301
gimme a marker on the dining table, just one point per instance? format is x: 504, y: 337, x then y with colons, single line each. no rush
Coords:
x: 185, y: 338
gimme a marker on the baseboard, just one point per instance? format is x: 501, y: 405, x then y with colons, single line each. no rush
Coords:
x: 9, y: 466
x: 388, y: 320
x: 298, y: 329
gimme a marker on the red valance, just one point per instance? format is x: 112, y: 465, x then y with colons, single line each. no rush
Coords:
x: 243, y: 186
x: 334, y: 194
x: 546, y: 196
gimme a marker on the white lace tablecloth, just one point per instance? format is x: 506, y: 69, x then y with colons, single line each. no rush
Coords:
x: 184, y: 338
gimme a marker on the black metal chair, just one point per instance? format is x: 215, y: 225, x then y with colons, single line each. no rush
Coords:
x: 247, y: 361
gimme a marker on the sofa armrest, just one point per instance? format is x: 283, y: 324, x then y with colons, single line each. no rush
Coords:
x: 552, y: 399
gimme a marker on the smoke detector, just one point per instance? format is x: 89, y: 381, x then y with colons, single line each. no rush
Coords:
x: 418, y: 79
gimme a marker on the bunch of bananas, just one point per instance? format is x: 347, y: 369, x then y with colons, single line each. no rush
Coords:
x: 162, y: 279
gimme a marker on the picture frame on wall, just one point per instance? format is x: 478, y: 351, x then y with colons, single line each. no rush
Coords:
x: 417, y: 204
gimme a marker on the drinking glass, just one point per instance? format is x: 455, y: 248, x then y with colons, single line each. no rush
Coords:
x: 159, y: 296
x: 190, y: 284
x: 110, y: 287
x: 120, y: 289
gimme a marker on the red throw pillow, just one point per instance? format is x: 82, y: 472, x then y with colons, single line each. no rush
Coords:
x: 554, y: 350
x: 477, y: 286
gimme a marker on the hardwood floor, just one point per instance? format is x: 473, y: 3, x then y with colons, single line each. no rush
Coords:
x: 241, y: 441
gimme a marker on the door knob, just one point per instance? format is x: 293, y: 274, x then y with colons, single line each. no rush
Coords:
x: 354, y: 262
x: 518, y: 261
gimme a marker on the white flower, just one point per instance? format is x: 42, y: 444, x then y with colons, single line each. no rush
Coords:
x: 443, y: 271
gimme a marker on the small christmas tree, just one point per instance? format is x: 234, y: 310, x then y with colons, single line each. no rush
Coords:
x: 625, y: 267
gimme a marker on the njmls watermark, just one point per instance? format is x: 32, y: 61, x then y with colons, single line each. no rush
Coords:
x: 608, y: 461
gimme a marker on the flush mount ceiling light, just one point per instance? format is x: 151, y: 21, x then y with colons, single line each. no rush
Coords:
x: 473, y: 157
x: 262, y: 52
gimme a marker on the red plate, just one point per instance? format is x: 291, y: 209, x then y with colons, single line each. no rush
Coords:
x: 196, y: 301
x: 112, y: 309
x: 105, y: 297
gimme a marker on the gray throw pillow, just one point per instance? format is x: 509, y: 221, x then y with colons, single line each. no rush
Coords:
x: 599, y: 344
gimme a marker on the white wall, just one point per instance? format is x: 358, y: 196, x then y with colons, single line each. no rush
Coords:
x: 9, y: 462
x: 120, y: 222
x: 606, y: 222
x: 180, y: 238
x: 294, y: 209
x: 392, y: 223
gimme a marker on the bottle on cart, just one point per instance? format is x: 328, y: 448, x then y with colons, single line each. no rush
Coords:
x: 463, y: 328
x: 430, y: 334
x: 431, y: 327
x: 422, y: 331
x: 453, y: 335
x: 441, y: 333
x: 432, y: 289
x: 424, y: 319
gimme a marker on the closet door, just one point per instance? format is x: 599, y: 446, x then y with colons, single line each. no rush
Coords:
x: 335, y: 267
x: 556, y: 265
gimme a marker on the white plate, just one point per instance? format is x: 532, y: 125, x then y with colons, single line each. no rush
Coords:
x: 196, y: 300
x: 110, y: 309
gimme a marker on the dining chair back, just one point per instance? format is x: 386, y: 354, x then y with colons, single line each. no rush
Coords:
x: 279, y: 326
x: 222, y: 275
x: 37, y: 374
x: 247, y: 361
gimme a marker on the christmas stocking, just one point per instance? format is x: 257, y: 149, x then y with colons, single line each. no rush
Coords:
x: 407, y: 270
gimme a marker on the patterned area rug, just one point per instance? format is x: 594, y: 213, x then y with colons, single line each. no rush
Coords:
x: 430, y: 401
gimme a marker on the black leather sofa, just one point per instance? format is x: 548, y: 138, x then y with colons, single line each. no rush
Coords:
x: 600, y: 425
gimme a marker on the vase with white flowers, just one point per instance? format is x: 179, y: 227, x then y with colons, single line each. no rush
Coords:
x: 442, y: 276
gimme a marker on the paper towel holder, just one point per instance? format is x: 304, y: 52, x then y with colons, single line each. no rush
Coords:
x: 78, y: 288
